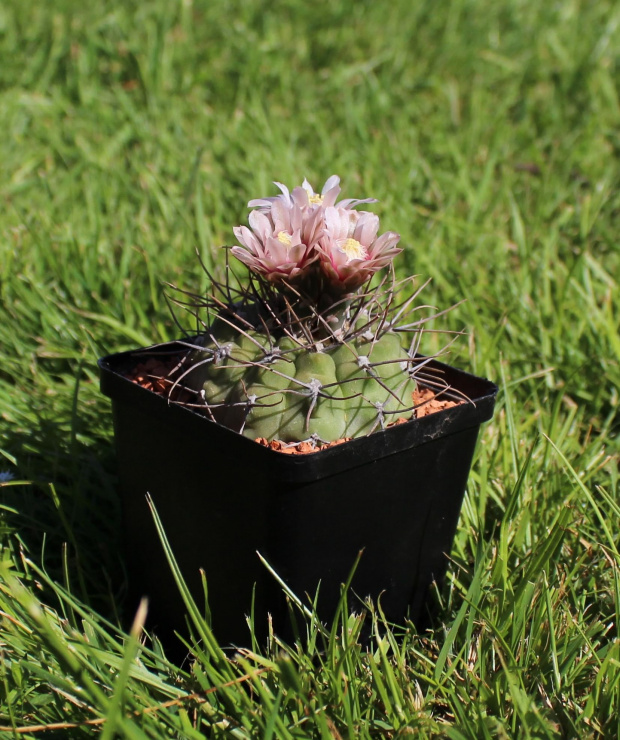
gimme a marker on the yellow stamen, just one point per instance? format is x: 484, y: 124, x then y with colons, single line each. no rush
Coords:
x: 315, y: 199
x: 285, y: 238
x: 354, y: 250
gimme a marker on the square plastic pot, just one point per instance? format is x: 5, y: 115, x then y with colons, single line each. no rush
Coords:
x: 395, y: 494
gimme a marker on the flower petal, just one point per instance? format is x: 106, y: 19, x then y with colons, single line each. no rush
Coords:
x: 262, y: 202
x: 366, y: 228
x: 352, y: 202
x: 260, y: 224
x: 386, y: 245
x: 331, y: 182
x: 247, y: 238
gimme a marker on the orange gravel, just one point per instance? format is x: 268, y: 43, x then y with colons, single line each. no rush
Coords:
x: 427, y: 403
x: 298, y: 448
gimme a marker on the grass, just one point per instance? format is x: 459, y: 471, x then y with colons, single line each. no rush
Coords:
x: 133, y: 134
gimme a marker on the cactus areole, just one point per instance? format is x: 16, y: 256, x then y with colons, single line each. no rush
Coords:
x: 315, y: 345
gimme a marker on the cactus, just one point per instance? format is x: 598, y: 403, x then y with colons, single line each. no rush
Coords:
x: 302, y: 352
x: 294, y: 392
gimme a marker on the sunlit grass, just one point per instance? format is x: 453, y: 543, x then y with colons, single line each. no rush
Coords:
x: 133, y: 135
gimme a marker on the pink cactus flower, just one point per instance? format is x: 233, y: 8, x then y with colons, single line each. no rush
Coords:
x: 293, y: 230
x: 280, y: 244
x: 350, y: 250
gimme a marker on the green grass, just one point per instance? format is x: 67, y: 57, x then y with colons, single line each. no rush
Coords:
x: 133, y: 133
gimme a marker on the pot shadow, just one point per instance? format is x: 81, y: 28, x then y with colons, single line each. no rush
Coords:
x: 66, y: 515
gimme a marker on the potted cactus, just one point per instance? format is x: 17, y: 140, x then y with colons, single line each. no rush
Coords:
x: 290, y: 421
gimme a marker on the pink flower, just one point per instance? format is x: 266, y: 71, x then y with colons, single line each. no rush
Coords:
x: 293, y: 230
x: 350, y: 250
x: 281, y: 244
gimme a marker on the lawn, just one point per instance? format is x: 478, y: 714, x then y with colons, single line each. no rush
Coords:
x: 134, y: 133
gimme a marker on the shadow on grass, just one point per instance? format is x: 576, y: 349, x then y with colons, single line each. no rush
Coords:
x: 66, y: 515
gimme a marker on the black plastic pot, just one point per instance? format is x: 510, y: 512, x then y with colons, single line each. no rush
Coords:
x: 396, y: 495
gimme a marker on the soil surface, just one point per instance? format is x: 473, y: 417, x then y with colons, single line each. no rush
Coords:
x: 157, y: 375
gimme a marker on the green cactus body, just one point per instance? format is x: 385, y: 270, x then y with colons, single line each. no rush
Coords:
x: 386, y: 387
x: 289, y: 391
x: 319, y: 409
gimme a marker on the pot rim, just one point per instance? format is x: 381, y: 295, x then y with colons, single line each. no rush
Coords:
x: 381, y: 443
